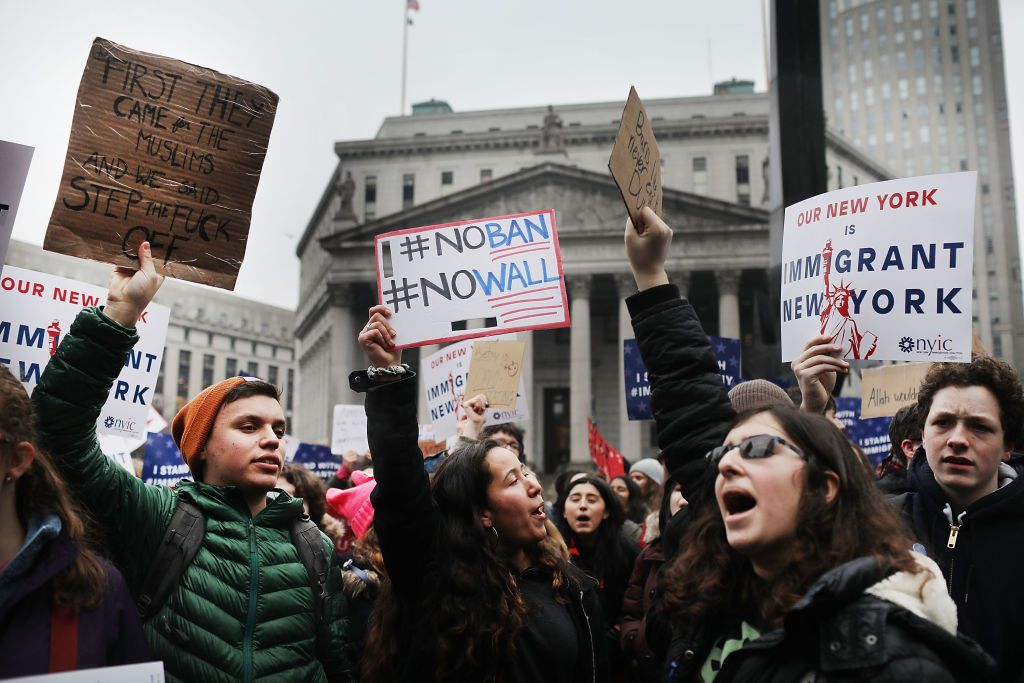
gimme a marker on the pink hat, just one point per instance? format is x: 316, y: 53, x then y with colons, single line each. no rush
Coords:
x: 353, y: 504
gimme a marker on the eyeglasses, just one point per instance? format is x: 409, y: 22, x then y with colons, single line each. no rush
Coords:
x: 760, y: 446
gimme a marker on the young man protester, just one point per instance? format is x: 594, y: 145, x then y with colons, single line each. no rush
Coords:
x: 244, y: 608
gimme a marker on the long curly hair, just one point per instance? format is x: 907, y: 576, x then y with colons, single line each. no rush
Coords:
x: 475, y: 610
x: 710, y: 581
x: 41, y: 490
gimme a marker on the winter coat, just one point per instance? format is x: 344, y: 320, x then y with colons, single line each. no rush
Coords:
x: 853, y: 624
x: 243, y: 610
x: 983, y: 566
x: 407, y: 522
x: 108, y: 635
x: 639, y: 599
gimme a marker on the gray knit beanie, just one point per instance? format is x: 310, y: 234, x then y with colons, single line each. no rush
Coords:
x: 757, y: 393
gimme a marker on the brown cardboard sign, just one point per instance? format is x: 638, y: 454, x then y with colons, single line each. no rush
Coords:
x: 635, y: 162
x: 494, y: 372
x: 164, y: 151
x: 886, y: 389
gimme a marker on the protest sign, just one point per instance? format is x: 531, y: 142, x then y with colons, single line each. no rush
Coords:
x: 317, y: 459
x: 885, y: 390
x: 163, y: 464
x: 638, y: 388
x: 164, y: 151
x: 429, y: 445
x: 14, y: 162
x: 494, y: 371
x: 37, y: 309
x: 883, y: 269
x: 871, y: 435
x: 150, y: 672
x: 349, y: 433
x: 445, y: 376
x: 635, y: 163
x: 437, y: 280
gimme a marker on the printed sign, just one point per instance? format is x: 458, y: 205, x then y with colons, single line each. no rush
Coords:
x: 164, y: 151
x: 14, y: 162
x: 163, y: 464
x: 429, y: 445
x: 37, y: 309
x: 494, y: 371
x: 871, y: 435
x: 438, y: 279
x: 317, y: 459
x: 883, y: 269
x: 445, y: 377
x: 150, y: 672
x: 885, y: 390
x: 638, y: 388
x: 635, y: 163
x: 349, y: 433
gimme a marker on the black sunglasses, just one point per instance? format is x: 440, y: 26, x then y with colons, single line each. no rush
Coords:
x: 760, y: 446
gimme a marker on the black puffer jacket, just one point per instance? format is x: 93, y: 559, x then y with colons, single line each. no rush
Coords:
x: 840, y: 633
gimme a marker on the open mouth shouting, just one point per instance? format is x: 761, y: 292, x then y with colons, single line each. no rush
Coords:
x: 736, y: 505
x: 538, y: 512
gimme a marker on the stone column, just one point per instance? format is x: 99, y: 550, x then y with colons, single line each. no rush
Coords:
x: 423, y: 410
x: 728, y: 282
x: 579, y: 367
x: 629, y: 430
x: 343, y: 347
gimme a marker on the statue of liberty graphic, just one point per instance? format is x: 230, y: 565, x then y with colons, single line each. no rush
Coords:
x: 836, y: 321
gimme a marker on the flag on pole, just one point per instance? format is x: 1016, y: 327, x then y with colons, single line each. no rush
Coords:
x: 608, y: 460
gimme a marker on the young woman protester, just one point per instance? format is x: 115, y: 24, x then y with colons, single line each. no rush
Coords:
x: 480, y: 587
x: 62, y: 608
x: 631, y: 498
x: 791, y: 567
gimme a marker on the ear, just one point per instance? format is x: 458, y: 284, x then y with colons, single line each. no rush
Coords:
x: 485, y: 519
x: 21, y: 458
x: 907, y: 445
x: 831, y: 486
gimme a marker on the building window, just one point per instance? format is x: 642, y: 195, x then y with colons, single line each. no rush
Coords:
x: 486, y: 175
x: 207, y: 369
x: 904, y: 89
x: 976, y: 85
x: 924, y: 134
x: 743, y: 180
x: 865, y: 22
x: 867, y: 68
x: 369, y: 200
x: 272, y: 374
x: 184, y: 369
x: 897, y: 14
x: 922, y: 85
x: 289, y: 390
x: 408, y: 190
x: 700, y: 175
x: 975, y: 56
x: 869, y: 96
x: 852, y: 73
x: 915, y: 10
x: 447, y: 178
x: 933, y: 9
x: 230, y: 368
x: 252, y: 368
x: 954, y: 54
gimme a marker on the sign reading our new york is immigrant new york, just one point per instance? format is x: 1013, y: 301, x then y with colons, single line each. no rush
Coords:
x: 164, y: 151
x: 441, y: 281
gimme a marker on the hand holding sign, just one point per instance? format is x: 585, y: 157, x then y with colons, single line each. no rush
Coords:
x: 378, y: 339
x: 635, y: 162
x: 647, y: 250
x: 474, y: 415
x: 815, y: 371
x: 131, y: 291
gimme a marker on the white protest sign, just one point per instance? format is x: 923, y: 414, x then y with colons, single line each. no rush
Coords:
x: 884, y: 269
x: 349, y: 433
x: 508, y: 268
x: 445, y: 375
x: 150, y: 672
x: 14, y: 162
x: 36, y: 311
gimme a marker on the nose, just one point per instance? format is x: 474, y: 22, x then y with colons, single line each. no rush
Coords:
x: 269, y: 438
x: 731, y: 464
x: 533, y: 488
x: 958, y: 437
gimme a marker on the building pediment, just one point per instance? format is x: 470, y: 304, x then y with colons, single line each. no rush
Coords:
x: 585, y: 204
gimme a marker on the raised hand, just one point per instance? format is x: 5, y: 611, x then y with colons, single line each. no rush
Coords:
x: 473, y: 417
x: 378, y: 339
x: 815, y: 371
x: 131, y: 291
x: 647, y: 249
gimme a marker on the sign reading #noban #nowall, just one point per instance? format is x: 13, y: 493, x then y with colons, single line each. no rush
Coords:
x: 439, y: 281
x: 885, y: 269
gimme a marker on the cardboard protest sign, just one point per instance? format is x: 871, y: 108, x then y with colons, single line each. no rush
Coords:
x: 439, y: 278
x: 635, y: 163
x: 445, y: 375
x: 429, y: 445
x: 164, y: 151
x: 163, y: 464
x: 37, y: 309
x: 150, y: 672
x: 871, y: 435
x: 883, y: 269
x: 14, y: 162
x: 638, y: 388
x: 349, y: 433
x: 494, y: 371
x: 317, y: 459
x: 885, y: 390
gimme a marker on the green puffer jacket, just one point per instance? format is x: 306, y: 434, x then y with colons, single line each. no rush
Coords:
x: 243, y: 608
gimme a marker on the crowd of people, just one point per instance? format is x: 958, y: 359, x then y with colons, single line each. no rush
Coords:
x: 759, y: 546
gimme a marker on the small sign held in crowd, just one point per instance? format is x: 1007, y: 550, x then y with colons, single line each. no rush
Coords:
x: 36, y: 311
x: 494, y: 371
x: 635, y: 162
x: 472, y: 279
x: 872, y: 435
x: 163, y: 151
x: 885, y: 269
x: 884, y: 390
x: 349, y: 432
x: 15, y: 160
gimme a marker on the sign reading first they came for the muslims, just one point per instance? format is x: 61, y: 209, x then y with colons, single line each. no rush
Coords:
x: 36, y: 311
x: 439, y: 281
x: 885, y: 269
x: 164, y: 151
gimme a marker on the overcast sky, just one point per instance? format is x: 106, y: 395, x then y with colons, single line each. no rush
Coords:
x: 337, y: 65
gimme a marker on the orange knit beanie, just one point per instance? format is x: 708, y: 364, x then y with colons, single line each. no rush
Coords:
x: 192, y: 425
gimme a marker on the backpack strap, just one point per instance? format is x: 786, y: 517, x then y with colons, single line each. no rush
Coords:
x: 309, y: 544
x: 63, y: 639
x: 178, y: 548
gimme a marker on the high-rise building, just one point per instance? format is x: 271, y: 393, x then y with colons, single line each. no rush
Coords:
x: 920, y: 85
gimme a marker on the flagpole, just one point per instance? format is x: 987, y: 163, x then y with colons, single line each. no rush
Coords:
x: 405, y: 51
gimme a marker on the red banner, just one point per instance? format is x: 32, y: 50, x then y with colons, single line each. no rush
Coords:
x: 607, y: 460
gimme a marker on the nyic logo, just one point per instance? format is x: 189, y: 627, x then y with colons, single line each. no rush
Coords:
x: 119, y: 424
x: 929, y: 346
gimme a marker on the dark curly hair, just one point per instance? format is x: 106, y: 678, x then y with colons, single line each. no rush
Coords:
x: 712, y: 582
x: 983, y: 371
